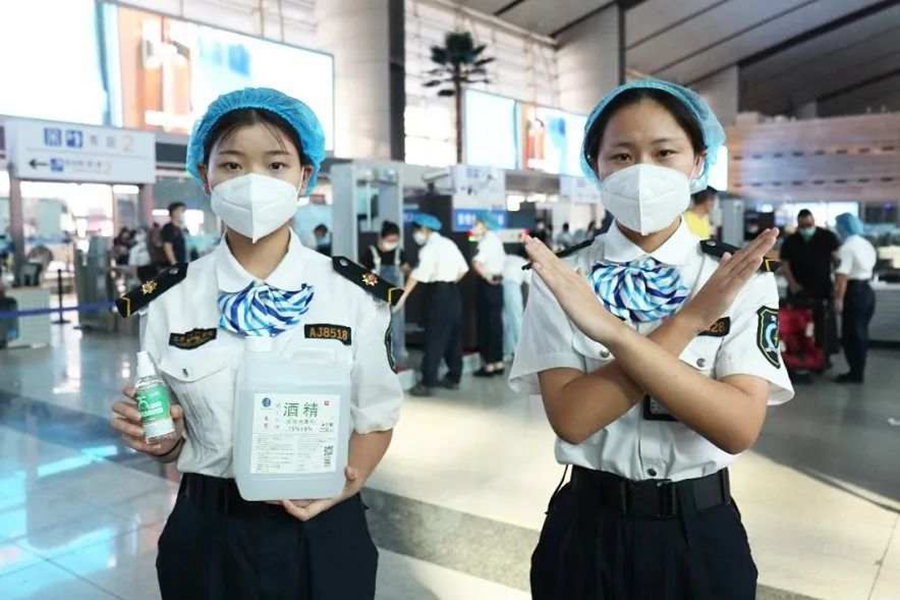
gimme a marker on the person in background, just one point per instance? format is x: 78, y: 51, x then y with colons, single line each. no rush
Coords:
x: 853, y: 296
x: 441, y: 266
x: 514, y: 277
x: 323, y: 239
x: 540, y: 231
x: 807, y: 256
x: 488, y: 264
x: 155, y: 245
x: 139, y: 258
x: 173, y: 236
x: 388, y: 260
x: 122, y: 243
x: 564, y: 239
x: 697, y: 216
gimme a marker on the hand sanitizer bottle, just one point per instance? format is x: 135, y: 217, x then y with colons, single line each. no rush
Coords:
x: 153, y: 402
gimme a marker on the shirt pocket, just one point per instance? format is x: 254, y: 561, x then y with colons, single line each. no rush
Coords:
x: 701, y: 354
x: 203, y: 383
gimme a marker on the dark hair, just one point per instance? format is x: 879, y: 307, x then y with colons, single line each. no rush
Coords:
x: 246, y: 117
x: 389, y: 228
x: 321, y: 227
x: 704, y: 195
x: 804, y: 213
x: 681, y: 113
x: 175, y: 206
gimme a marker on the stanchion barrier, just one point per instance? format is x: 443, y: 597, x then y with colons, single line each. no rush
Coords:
x: 95, y: 307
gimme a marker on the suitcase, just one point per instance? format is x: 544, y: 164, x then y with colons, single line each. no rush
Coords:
x: 9, y: 326
x: 797, y: 329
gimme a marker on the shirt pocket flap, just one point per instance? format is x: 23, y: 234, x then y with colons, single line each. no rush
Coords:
x: 189, y: 365
x: 701, y: 353
x: 587, y: 347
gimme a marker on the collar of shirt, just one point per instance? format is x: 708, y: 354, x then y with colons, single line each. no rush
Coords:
x: 675, y: 251
x: 287, y: 276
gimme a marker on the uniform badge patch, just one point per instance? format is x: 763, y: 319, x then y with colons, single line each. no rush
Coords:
x: 720, y: 328
x: 767, y: 339
x: 192, y: 339
x: 324, y: 331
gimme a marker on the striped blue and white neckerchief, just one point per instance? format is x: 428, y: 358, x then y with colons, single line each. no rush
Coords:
x: 262, y: 310
x: 640, y: 292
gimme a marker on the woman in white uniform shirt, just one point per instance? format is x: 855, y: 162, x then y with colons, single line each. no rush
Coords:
x: 655, y: 388
x: 853, y: 296
x: 488, y: 263
x: 256, y: 151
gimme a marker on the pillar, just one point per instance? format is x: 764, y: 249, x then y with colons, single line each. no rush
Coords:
x: 16, y: 219
x: 722, y: 91
x: 366, y: 38
x: 591, y: 59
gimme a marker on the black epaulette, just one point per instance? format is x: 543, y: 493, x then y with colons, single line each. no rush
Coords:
x: 367, y: 280
x: 150, y: 290
x: 718, y: 249
x: 568, y: 251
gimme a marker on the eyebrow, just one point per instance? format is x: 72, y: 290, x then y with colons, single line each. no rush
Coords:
x: 617, y: 143
x: 267, y: 153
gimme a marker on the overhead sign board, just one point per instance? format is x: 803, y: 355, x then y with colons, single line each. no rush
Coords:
x: 578, y: 190
x: 54, y: 151
x: 478, y: 187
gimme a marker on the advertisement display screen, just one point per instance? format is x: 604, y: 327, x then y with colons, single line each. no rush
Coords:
x: 490, y: 130
x: 505, y: 133
x: 164, y: 72
x: 550, y: 139
x: 51, y: 66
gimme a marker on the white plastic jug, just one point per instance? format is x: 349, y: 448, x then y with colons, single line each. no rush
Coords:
x: 292, y: 424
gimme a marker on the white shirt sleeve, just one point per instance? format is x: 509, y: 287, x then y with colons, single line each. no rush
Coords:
x: 461, y: 266
x: 752, y: 346
x: 377, y: 393
x: 546, y: 342
x: 426, y: 271
x: 845, y: 258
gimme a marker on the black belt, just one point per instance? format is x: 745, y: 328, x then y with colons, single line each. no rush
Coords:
x: 221, y: 496
x: 652, y: 498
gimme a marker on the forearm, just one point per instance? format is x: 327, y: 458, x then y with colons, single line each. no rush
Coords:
x: 593, y: 400
x: 479, y: 268
x: 727, y: 416
x: 411, y: 284
x: 840, y: 287
x: 788, y: 273
x: 170, y: 253
x: 367, y: 450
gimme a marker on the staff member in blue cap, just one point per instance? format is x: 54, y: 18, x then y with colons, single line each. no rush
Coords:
x: 441, y: 266
x: 655, y: 355
x: 256, y: 152
x: 853, y: 296
x: 488, y: 263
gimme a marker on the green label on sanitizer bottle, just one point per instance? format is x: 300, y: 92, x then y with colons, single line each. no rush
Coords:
x: 154, y: 406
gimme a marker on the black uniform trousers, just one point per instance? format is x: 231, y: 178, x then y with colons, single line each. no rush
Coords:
x: 217, y: 546
x: 443, y: 332
x: 490, y: 321
x: 589, y: 552
x: 859, y: 307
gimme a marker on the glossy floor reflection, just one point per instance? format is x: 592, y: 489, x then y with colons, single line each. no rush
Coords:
x: 80, y: 514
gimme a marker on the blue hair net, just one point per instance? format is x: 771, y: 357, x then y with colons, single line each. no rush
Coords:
x: 849, y: 224
x: 488, y: 219
x: 296, y: 113
x: 713, y: 133
x: 429, y: 221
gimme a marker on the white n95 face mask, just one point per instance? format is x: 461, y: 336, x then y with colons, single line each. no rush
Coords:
x: 646, y: 198
x: 254, y: 205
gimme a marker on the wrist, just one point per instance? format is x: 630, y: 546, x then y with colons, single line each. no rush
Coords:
x: 690, y: 322
x: 172, y: 454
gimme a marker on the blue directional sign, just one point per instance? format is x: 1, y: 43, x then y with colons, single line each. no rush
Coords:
x: 74, y: 138
x: 52, y: 136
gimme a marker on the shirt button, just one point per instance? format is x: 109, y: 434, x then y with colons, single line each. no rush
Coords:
x: 701, y: 362
x: 651, y: 472
x: 604, y: 354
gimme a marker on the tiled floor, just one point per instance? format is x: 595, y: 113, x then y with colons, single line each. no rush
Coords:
x: 80, y: 516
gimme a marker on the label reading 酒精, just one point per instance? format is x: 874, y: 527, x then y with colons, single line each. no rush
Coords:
x: 294, y: 434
